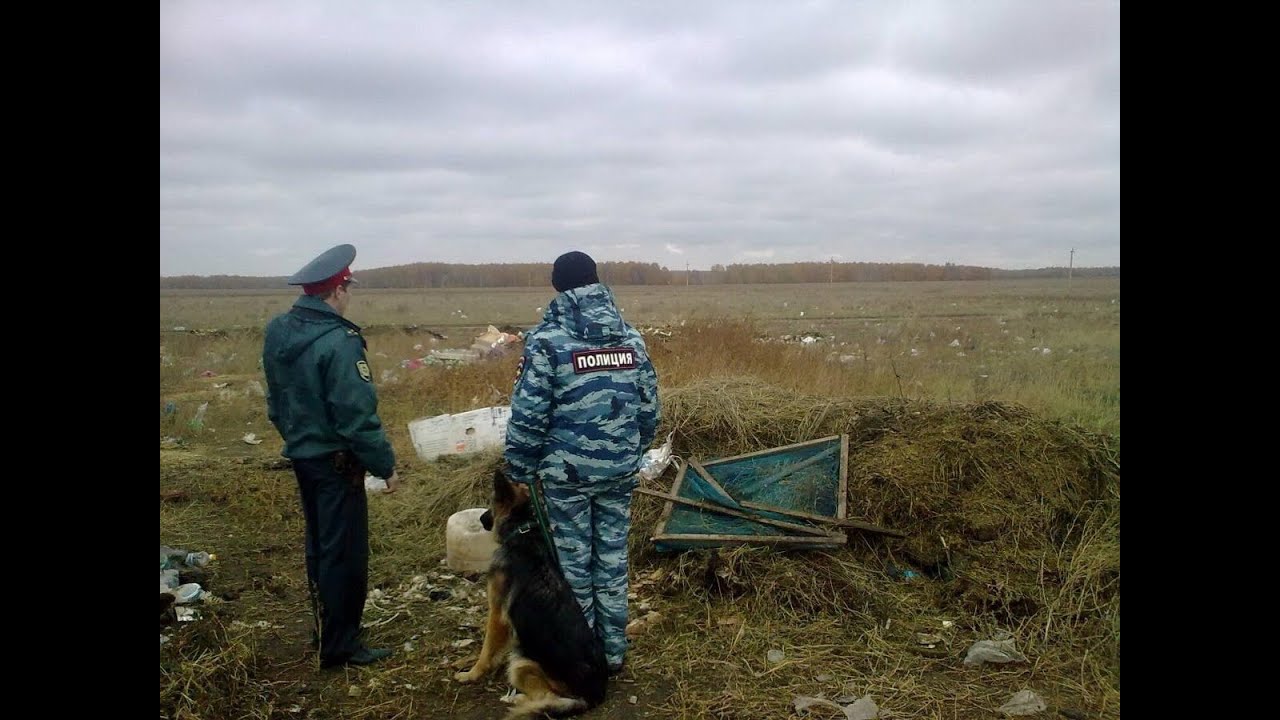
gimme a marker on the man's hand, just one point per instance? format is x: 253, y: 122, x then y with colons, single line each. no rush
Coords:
x: 392, y: 483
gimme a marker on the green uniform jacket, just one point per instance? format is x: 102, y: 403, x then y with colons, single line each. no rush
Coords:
x: 320, y: 393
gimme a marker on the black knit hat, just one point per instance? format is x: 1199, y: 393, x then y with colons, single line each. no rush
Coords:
x: 573, y: 270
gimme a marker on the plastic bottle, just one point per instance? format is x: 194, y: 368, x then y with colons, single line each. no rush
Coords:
x: 198, y: 559
x: 197, y: 422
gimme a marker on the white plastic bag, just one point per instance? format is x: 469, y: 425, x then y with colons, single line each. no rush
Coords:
x: 656, y: 460
x: 1024, y: 702
x: 993, y: 651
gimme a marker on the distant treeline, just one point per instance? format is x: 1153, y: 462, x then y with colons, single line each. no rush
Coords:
x: 444, y: 275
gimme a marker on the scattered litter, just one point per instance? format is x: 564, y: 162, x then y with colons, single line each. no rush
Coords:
x: 929, y: 640
x: 252, y: 439
x: 861, y: 709
x: 355, y: 691
x: 494, y: 342
x: 775, y: 656
x: 1024, y: 702
x: 948, y: 623
x: 955, y: 343
x: 640, y: 625
x: 373, y: 483
x: 197, y: 422
x: 169, y: 580
x: 220, y: 385
x: 189, y: 593
x: 462, y: 643
x: 994, y: 651
x: 824, y: 678
x: 447, y: 357
x: 633, y: 699
x: 902, y: 573
x: 187, y: 614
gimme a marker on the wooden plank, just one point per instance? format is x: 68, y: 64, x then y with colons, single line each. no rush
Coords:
x: 835, y: 539
x: 722, y: 510
x: 771, y: 451
x: 701, y: 470
x: 842, y: 500
x: 666, y: 510
x: 825, y: 519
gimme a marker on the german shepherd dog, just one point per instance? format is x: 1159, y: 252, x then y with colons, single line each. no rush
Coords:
x: 557, y: 662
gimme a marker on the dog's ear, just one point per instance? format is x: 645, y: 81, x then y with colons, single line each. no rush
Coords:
x: 486, y: 520
x: 503, y: 492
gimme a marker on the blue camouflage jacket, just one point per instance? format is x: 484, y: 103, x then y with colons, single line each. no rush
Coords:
x: 585, y: 404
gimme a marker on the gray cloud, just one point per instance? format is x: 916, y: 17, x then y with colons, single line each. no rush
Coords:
x: 984, y: 132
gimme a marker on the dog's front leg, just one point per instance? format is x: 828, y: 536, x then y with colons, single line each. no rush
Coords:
x: 496, y: 633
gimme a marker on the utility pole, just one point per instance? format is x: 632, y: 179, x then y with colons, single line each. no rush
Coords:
x: 1070, y: 265
x: 831, y: 271
x: 686, y: 274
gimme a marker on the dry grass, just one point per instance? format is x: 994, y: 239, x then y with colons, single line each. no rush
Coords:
x: 1012, y: 514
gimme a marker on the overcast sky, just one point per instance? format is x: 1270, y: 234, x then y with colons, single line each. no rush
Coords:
x: 978, y: 132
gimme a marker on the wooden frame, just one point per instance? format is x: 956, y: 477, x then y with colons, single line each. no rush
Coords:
x: 826, y: 540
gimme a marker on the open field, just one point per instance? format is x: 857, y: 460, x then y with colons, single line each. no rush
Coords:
x: 984, y: 420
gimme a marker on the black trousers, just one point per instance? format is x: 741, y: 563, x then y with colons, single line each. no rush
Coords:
x: 337, y: 552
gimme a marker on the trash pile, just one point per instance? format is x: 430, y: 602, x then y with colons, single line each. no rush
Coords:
x: 182, y: 580
x: 492, y: 343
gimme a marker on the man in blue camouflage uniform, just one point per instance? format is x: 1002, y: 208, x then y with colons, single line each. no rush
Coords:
x: 583, y: 412
x: 320, y: 396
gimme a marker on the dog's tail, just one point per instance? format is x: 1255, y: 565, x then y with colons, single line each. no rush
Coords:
x: 555, y: 706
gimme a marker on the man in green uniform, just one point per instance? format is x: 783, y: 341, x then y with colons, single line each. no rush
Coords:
x: 321, y: 398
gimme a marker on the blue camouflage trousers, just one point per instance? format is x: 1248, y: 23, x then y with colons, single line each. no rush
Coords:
x: 589, y: 526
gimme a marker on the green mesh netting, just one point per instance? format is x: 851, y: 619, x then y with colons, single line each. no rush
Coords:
x: 813, y: 488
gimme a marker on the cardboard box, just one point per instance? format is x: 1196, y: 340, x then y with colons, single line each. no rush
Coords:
x: 460, y: 434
